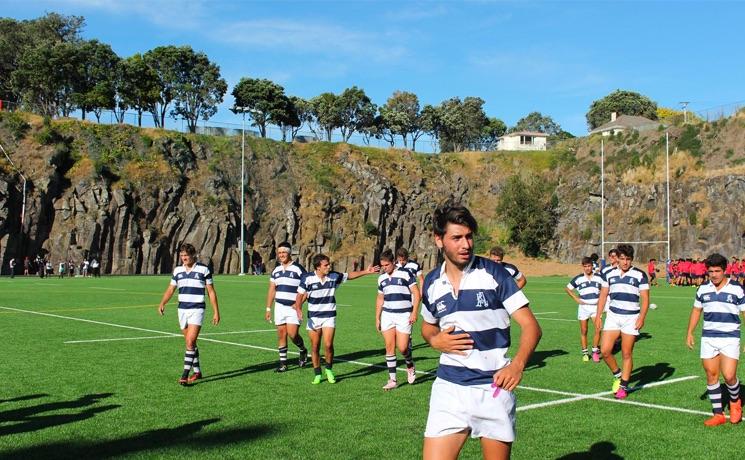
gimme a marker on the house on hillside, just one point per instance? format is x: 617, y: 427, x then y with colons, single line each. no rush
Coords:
x: 623, y: 123
x: 523, y: 140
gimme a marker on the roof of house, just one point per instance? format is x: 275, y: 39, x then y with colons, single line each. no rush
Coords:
x: 526, y: 133
x: 625, y: 122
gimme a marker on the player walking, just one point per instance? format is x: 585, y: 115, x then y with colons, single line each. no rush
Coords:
x: 587, y: 284
x: 722, y: 302
x: 468, y: 302
x: 283, y: 283
x: 192, y: 280
x: 319, y: 289
x: 496, y: 254
x: 396, y: 309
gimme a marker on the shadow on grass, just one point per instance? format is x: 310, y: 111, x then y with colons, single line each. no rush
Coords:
x: 599, y: 451
x: 183, y: 436
x: 24, y: 398
x: 639, y: 338
x: 267, y: 366
x: 649, y: 374
x: 28, y: 419
x: 538, y: 360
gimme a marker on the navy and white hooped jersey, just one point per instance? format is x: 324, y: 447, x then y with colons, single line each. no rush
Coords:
x: 624, y: 289
x: 487, y: 297
x: 286, y: 280
x: 396, y: 290
x: 191, y: 285
x: 412, y: 267
x: 587, y: 288
x: 721, y: 309
x: 512, y: 270
x: 321, y: 293
x: 605, y: 271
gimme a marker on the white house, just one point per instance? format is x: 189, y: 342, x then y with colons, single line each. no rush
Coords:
x: 623, y: 123
x: 523, y: 140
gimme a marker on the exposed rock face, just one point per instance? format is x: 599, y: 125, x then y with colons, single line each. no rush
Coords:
x: 130, y: 197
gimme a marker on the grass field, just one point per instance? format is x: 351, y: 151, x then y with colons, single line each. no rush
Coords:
x: 90, y: 370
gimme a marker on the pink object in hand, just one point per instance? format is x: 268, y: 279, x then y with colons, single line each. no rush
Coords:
x: 497, y: 389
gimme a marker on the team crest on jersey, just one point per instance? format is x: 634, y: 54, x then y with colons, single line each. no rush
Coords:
x: 730, y: 299
x: 441, y: 307
x: 481, y: 301
x: 707, y: 298
x: 400, y: 281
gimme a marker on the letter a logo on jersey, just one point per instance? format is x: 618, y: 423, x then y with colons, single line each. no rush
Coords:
x: 481, y: 300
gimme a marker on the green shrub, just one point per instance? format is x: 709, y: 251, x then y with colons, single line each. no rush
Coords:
x: 15, y: 123
x: 692, y: 217
x: 371, y: 229
x: 689, y: 141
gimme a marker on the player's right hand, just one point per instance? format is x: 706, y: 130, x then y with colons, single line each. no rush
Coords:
x: 268, y: 316
x: 689, y: 341
x: 598, y: 322
x: 456, y: 344
x: 300, y: 315
x: 161, y: 309
x: 377, y: 324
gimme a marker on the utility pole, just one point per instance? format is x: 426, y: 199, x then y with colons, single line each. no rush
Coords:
x: 684, y: 105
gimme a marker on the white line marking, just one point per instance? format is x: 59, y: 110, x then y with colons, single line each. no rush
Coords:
x: 106, y: 289
x: 165, y: 336
x: 558, y: 319
x: 545, y: 312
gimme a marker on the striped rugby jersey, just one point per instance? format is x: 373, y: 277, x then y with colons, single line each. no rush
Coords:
x: 587, y: 288
x: 512, y: 270
x: 721, y: 309
x: 286, y: 280
x: 411, y: 266
x: 396, y: 290
x: 487, y: 297
x: 624, y: 289
x: 321, y: 298
x: 191, y: 284
x: 605, y: 271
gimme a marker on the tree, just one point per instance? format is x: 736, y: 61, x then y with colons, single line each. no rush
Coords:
x: 494, y: 129
x: 95, y: 85
x: 285, y: 115
x: 528, y: 209
x: 325, y: 110
x: 537, y: 122
x: 304, y: 113
x: 136, y: 87
x: 623, y: 103
x: 164, y: 62
x: 461, y: 124
x: 258, y: 98
x: 401, y: 115
x: 199, y: 89
x: 355, y: 111
x: 46, y: 78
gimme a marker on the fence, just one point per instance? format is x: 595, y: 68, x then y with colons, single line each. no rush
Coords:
x: 721, y: 111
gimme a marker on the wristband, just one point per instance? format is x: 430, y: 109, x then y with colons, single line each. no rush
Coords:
x: 268, y: 308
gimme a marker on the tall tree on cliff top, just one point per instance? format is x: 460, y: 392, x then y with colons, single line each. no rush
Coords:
x: 623, y: 103
x: 137, y: 87
x: 355, y: 111
x: 95, y: 85
x: 199, y: 88
x: 401, y: 116
x: 259, y: 99
x: 537, y: 122
x: 461, y: 124
x: 325, y: 110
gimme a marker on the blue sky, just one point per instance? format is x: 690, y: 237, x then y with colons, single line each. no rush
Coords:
x: 554, y: 57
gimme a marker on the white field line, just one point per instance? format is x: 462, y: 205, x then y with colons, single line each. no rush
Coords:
x: 576, y: 397
x: 599, y: 397
x: 117, y: 339
x: 557, y: 319
x: 545, y: 312
x: 106, y: 289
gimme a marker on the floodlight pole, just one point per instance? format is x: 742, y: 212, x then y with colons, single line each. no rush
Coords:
x: 23, y: 203
x: 243, y: 190
x: 667, y: 182
x: 602, y: 199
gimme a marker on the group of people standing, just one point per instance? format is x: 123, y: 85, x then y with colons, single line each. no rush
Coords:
x: 467, y: 305
x: 42, y: 267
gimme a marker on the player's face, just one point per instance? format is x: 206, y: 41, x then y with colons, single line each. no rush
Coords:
x: 387, y: 266
x: 456, y: 244
x: 283, y: 255
x: 716, y: 275
x: 587, y: 269
x: 613, y: 258
x: 402, y: 261
x: 324, y: 268
x: 186, y: 259
x: 624, y: 262
x: 495, y: 258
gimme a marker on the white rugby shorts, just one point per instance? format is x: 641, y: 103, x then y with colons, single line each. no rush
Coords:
x: 713, y: 346
x: 400, y: 321
x: 454, y: 408
x: 624, y: 323
x: 314, y: 324
x: 193, y: 316
x: 285, y: 315
x: 585, y: 311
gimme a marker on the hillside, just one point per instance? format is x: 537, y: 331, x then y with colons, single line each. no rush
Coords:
x: 130, y: 195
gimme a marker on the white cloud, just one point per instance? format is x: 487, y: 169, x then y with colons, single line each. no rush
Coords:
x: 174, y: 14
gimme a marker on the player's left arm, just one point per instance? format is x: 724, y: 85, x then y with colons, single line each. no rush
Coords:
x: 530, y: 334
x: 644, y: 307
x: 368, y: 271
x: 415, y: 298
x: 521, y: 282
x: 212, y: 294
